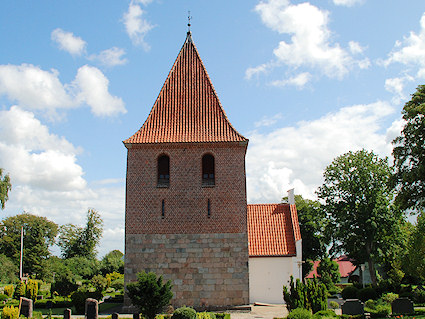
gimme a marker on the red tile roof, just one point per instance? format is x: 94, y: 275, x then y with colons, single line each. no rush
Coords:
x: 346, y: 267
x: 272, y: 229
x: 187, y: 109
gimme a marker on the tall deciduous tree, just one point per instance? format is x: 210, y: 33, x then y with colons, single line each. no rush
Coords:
x: 5, y: 187
x: 409, y: 153
x: 39, y: 235
x: 313, y: 221
x: 414, y: 261
x: 357, y: 199
x: 76, y: 241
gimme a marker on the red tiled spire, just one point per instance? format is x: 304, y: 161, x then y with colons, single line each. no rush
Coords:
x: 187, y: 109
x: 272, y: 230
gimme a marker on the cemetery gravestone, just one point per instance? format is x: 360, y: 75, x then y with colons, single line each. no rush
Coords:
x: 67, y: 314
x: 115, y: 315
x: 402, y: 306
x: 25, y: 307
x: 352, y: 307
x: 92, y: 308
x: 136, y: 316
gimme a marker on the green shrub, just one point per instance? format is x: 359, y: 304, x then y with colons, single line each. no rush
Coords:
x: 8, y: 290
x: 324, y: 314
x: 205, y: 315
x: 64, y: 284
x: 150, y: 294
x: 350, y: 292
x: 37, y: 315
x: 367, y: 293
x: 300, y: 313
x: 32, y: 289
x: 118, y: 284
x: 378, y: 310
x: 99, y: 283
x: 10, y: 313
x: 184, y: 313
x: 333, y: 304
x: 222, y: 315
x: 312, y: 295
x: 20, y: 290
x: 389, y: 297
x: 419, y: 295
x: 79, y: 297
x: 3, y: 297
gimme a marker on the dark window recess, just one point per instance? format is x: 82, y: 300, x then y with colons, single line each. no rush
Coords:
x: 209, y: 208
x: 163, y: 209
x: 164, y: 171
x: 208, y: 170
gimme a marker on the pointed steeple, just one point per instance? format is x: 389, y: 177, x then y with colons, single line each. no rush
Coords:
x: 187, y: 109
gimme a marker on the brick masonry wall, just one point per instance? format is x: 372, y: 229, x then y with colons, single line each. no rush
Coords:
x: 206, y: 270
x: 206, y: 257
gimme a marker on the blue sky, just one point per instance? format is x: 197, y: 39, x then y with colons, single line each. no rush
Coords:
x: 304, y: 81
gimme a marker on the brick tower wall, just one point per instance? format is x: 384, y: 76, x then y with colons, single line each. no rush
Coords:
x: 205, y: 256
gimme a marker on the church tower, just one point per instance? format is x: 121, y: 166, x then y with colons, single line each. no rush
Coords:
x: 186, y: 209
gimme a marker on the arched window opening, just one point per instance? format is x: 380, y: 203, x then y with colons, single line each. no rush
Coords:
x: 163, y: 171
x: 208, y: 170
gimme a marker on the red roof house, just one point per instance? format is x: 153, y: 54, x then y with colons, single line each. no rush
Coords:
x: 346, y: 268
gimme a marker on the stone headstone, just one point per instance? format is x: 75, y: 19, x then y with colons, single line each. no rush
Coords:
x: 136, y: 316
x: 25, y: 307
x: 92, y: 308
x: 115, y: 315
x: 402, y: 306
x: 67, y: 314
x: 352, y: 307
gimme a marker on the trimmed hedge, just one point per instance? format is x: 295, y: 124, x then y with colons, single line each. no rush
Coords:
x: 300, y: 313
x: 350, y: 292
x: 184, y: 313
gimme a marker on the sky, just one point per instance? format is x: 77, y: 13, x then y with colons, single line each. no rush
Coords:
x: 304, y: 81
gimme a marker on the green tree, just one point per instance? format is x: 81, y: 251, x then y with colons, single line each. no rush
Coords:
x: 414, y: 261
x: 8, y: 270
x: 82, y: 267
x: 328, y: 272
x: 39, y: 235
x: 77, y: 241
x: 357, y: 199
x: 409, y: 153
x: 5, y: 187
x: 112, y: 262
x: 64, y: 284
x: 313, y: 221
x: 150, y: 294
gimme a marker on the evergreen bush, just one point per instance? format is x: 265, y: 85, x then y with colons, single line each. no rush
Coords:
x: 389, y: 297
x: 10, y: 313
x: 184, y: 313
x: 300, y: 313
x: 150, y: 294
x: 20, y: 290
x: 79, y: 297
x: 32, y: 289
x: 9, y: 290
x: 3, y: 297
x: 350, y: 292
x: 312, y: 296
x: 205, y: 315
x: 333, y: 304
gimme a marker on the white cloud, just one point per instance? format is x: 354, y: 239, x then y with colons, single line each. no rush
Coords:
x: 35, y: 89
x: 250, y: 72
x: 68, y: 42
x: 355, y: 47
x: 268, y: 121
x: 136, y: 26
x: 93, y: 90
x: 48, y: 181
x: 410, y: 51
x: 347, y: 3
x: 299, y: 80
x: 396, y: 86
x: 296, y: 156
x: 110, y: 57
x: 311, y: 39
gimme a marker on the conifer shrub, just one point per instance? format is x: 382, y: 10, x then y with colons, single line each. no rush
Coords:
x: 322, y: 314
x: 205, y: 315
x: 300, y: 313
x: 3, y: 297
x: 312, y: 296
x: 150, y: 294
x: 184, y: 313
x: 350, y: 292
x: 10, y: 313
x: 32, y: 289
x: 333, y: 304
x: 20, y: 290
x: 9, y: 290
x: 389, y: 297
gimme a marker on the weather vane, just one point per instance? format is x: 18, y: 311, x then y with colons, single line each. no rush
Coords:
x: 188, y: 18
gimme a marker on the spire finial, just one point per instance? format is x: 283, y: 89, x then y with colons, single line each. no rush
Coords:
x: 188, y: 23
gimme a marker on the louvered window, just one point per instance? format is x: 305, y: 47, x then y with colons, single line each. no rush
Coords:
x: 208, y: 170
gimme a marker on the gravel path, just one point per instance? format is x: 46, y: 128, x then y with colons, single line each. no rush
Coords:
x: 263, y: 311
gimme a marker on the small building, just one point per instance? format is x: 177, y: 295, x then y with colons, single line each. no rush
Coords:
x: 347, y: 269
x: 274, y: 250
